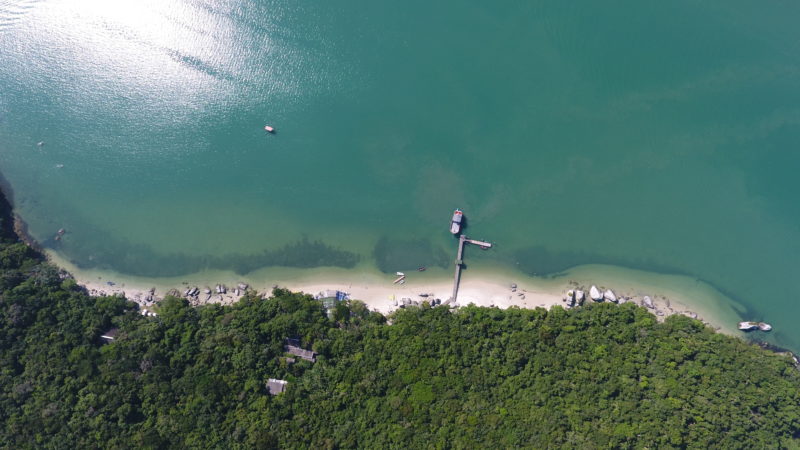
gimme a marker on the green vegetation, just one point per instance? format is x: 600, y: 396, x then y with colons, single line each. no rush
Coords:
x: 600, y: 376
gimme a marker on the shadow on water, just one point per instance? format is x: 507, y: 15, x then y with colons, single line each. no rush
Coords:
x: 540, y: 261
x: 464, y: 225
x: 104, y: 252
x: 399, y: 254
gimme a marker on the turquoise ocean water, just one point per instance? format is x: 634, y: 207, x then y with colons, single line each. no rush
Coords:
x: 654, y: 135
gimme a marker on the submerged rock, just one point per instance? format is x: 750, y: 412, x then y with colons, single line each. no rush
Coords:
x: 595, y: 294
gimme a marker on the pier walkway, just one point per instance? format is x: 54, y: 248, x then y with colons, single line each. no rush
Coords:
x: 463, y: 240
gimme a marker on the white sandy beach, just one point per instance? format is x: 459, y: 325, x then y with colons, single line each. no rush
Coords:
x: 670, y: 294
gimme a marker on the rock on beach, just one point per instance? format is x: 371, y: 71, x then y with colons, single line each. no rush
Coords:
x: 595, y: 294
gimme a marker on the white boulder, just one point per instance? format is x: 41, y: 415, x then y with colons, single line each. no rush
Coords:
x: 647, y: 302
x: 595, y: 294
x: 609, y: 295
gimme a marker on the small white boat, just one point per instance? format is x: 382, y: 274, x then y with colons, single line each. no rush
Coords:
x: 269, y: 129
x: 400, y: 274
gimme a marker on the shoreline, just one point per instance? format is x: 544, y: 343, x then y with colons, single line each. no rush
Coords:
x: 668, y: 294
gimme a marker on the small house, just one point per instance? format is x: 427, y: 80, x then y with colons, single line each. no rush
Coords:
x: 308, y: 355
x: 330, y: 298
x: 275, y: 387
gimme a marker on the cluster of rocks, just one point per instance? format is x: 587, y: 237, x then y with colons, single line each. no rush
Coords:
x: 151, y: 295
x: 521, y: 295
x: 576, y: 297
x: 605, y: 295
x: 192, y: 293
x: 405, y: 301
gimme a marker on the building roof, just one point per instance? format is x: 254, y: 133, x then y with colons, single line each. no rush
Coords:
x: 308, y: 355
x: 275, y: 387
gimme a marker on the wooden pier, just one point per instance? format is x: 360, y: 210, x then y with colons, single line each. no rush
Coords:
x: 479, y: 243
x: 463, y: 240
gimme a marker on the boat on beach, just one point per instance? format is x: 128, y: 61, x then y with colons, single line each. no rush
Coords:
x: 750, y: 326
x: 455, y: 225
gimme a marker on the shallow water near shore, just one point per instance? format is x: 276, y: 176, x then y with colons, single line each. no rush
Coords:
x: 652, y: 137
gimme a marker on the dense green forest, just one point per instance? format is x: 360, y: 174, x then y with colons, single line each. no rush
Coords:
x: 599, y: 376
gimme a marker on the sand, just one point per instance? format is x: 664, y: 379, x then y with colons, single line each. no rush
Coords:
x: 670, y: 294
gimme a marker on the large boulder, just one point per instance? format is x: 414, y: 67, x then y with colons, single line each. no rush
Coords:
x: 595, y: 294
x: 609, y: 295
x: 570, y: 298
x: 580, y: 296
x: 647, y: 302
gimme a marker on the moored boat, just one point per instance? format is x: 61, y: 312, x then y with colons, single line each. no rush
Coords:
x: 269, y: 129
x: 455, y: 225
